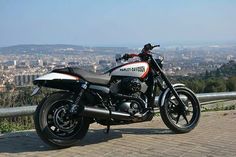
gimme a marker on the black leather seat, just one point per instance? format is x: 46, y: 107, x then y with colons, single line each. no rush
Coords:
x: 94, y: 78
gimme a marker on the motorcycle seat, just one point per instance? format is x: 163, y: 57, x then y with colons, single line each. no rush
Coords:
x: 102, y: 79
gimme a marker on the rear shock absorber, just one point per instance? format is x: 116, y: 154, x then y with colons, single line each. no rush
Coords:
x: 75, y: 108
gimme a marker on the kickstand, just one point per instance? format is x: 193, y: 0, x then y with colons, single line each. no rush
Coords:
x: 107, y: 130
x: 108, y: 121
x: 108, y: 124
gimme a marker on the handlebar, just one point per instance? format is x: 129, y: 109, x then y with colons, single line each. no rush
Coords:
x: 145, y: 50
x: 149, y: 47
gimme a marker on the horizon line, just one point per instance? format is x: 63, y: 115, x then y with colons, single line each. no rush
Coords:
x: 129, y: 45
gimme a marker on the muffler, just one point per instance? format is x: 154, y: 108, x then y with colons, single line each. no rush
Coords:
x: 104, y: 113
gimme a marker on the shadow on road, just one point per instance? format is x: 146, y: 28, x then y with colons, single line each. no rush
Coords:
x: 30, y: 142
x: 144, y: 131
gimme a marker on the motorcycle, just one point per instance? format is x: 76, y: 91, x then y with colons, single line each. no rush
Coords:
x: 123, y: 95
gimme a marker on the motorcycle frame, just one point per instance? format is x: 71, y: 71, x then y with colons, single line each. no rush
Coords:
x: 79, y: 87
x: 153, y: 82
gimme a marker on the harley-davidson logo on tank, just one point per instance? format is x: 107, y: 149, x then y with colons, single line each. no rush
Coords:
x: 137, y: 69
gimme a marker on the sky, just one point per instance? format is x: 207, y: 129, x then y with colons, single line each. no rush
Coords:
x: 116, y: 22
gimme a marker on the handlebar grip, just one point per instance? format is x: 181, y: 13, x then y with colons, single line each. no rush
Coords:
x: 149, y: 47
x: 156, y: 46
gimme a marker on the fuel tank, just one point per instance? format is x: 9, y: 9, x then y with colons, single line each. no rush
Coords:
x: 134, y: 69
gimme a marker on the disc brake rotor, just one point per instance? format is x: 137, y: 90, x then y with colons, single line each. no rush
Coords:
x: 63, y: 122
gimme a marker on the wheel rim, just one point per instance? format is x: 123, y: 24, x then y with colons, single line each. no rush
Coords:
x: 59, y: 123
x: 184, y: 119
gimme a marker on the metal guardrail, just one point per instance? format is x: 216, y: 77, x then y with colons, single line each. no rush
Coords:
x: 204, y: 98
x: 17, y: 111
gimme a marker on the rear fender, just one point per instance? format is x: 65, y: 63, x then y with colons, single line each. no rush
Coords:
x: 58, y: 81
x: 162, y: 97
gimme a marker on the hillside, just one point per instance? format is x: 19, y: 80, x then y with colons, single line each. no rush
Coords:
x: 220, y: 80
x: 45, y: 49
x: 59, y: 49
x: 226, y: 70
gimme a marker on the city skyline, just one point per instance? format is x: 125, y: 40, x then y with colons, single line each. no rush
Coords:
x: 117, y: 23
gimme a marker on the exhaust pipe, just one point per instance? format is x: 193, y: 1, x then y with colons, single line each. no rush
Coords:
x: 95, y: 112
x: 104, y: 113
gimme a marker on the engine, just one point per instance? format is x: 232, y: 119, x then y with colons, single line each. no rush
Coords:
x: 131, y: 87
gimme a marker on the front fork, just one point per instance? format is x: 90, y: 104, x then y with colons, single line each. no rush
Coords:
x: 183, y: 108
x: 168, y: 84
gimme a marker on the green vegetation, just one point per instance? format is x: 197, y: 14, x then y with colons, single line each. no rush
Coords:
x: 19, y: 97
x: 218, y: 107
x: 222, y: 79
x: 16, y: 124
x: 207, y: 85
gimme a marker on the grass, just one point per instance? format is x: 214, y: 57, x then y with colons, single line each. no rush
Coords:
x: 219, y: 107
x: 16, y: 124
x: 6, y: 127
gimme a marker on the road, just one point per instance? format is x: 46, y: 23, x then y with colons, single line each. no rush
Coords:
x: 214, y: 136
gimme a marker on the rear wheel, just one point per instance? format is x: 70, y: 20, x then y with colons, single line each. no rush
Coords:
x: 175, y: 117
x: 53, y: 125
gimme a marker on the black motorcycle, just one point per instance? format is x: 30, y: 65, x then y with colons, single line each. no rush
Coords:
x: 123, y: 95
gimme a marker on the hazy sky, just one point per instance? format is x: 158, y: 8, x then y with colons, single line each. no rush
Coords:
x: 116, y: 22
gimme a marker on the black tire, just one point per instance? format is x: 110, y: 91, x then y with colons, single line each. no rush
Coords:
x: 170, y: 111
x: 58, y: 138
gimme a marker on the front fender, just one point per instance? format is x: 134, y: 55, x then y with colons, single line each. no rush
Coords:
x: 162, y: 97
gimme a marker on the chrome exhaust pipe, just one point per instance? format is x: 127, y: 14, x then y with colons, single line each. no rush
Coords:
x: 104, y: 113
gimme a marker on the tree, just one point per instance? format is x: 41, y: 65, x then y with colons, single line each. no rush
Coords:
x: 215, y: 85
x: 231, y: 84
x: 9, y: 86
x: 217, y: 73
x: 196, y: 85
x: 207, y: 74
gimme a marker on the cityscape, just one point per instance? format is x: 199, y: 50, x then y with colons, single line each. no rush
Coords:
x: 185, y: 107
x: 21, y: 64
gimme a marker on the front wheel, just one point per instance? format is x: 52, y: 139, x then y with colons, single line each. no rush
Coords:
x: 181, y: 119
x: 53, y: 125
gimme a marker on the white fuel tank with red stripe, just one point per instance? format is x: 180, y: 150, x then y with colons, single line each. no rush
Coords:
x: 135, y: 69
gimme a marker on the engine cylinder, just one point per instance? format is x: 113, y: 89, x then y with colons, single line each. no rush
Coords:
x: 130, y: 85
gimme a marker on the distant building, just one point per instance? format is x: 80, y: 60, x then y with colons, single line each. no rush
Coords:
x: 229, y: 57
x: 14, y: 62
x: 40, y: 62
x: 22, y: 80
x: 10, y: 63
x: 95, y: 68
x: 103, y: 62
x: 36, y: 63
x: 2, y: 88
x: 73, y: 64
